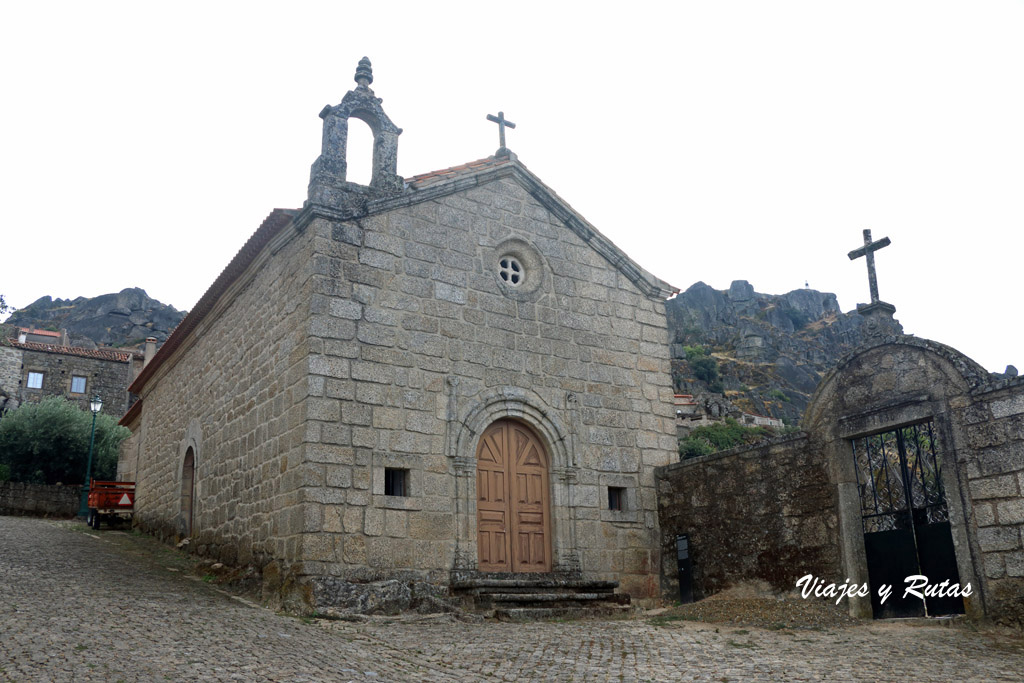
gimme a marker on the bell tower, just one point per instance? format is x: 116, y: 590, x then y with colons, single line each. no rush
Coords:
x: 327, y: 183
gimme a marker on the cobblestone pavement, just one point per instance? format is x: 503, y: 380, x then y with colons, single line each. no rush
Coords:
x: 111, y: 606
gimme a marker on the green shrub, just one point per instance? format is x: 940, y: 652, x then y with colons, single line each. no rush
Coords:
x: 705, y: 369
x: 720, y: 436
x: 694, y: 448
x: 694, y: 352
x: 48, y: 442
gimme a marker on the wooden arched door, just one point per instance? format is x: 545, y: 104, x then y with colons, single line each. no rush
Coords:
x: 513, y: 517
x: 188, y: 470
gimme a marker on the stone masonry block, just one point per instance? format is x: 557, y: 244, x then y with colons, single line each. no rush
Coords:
x: 1010, y: 511
x: 1008, y: 406
x: 372, y: 372
x: 329, y: 366
x: 339, y: 476
x: 1014, y: 564
x: 352, y: 520
x: 984, y: 514
x: 995, y: 487
x: 373, y: 524
x: 346, y: 308
x: 995, y: 567
x: 396, y: 523
x: 326, y: 409
x: 992, y: 539
x: 451, y: 293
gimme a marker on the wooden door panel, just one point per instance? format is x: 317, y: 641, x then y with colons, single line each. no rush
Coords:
x: 513, y: 519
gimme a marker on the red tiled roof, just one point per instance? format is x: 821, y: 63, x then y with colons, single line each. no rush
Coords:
x: 272, y: 225
x: 425, y: 179
x: 102, y: 354
x: 41, y: 333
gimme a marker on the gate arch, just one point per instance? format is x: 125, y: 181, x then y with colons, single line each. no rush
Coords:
x: 876, y: 391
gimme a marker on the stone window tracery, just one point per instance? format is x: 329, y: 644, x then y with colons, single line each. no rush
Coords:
x: 510, y: 270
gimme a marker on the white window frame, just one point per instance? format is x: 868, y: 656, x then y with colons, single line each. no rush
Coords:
x: 84, y: 383
x: 32, y: 374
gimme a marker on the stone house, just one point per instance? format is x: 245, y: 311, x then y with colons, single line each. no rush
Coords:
x: 32, y: 370
x: 910, y: 463
x: 426, y: 379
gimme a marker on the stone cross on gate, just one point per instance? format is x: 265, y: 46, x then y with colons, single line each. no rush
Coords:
x: 502, y: 123
x: 869, y: 250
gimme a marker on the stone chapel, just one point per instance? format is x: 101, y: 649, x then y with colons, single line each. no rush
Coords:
x: 430, y: 379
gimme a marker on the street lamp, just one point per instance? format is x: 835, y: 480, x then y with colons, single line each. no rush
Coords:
x: 95, y: 405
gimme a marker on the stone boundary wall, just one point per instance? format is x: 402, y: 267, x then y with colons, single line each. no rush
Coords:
x: 765, y: 512
x: 59, y: 500
x: 994, y: 428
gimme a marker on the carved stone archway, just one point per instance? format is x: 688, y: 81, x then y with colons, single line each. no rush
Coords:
x: 188, y: 482
x: 521, y: 405
x: 899, y: 381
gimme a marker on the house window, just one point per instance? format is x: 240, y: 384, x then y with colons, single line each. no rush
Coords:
x: 35, y: 380
x: 396, y: 482
x: 77, y: 384
x: 616, y: 498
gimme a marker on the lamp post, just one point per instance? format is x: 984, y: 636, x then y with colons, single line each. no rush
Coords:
x: 95, y: 405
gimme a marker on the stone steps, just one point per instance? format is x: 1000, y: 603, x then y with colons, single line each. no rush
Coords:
x: 528, y: 597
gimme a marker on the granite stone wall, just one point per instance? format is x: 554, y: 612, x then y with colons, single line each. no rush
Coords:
x: 392, y: 341
x: 765, y: 513
x: 235, y: 393
x: 994, y: 426
x: 805, y: 493
x: 417, y: 344
x: 58, y: 500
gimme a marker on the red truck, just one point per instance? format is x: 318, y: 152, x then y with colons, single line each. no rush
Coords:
x: 109, y: 500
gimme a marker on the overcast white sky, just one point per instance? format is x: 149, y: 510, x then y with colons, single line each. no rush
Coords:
x: 141, y: 144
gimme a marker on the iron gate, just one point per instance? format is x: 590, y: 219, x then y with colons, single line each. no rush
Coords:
x: 905, y: 518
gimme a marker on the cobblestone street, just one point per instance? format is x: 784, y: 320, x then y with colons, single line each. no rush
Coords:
x: 111, y: 606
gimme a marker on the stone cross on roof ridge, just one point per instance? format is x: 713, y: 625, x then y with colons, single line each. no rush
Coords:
x: 502, y: 124
x: 869, y: 250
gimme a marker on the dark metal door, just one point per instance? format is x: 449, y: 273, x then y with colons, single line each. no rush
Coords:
x: 906, y: 521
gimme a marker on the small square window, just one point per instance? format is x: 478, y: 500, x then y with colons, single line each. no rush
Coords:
x: 616, y: 498
x: 35, y: 380
x: 77, y: 384
x: 396, y: 482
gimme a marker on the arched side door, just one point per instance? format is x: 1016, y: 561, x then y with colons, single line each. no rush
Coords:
x: 188, y: 479
x: 513, y: 500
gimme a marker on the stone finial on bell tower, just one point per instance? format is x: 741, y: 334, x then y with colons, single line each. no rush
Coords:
x: 364, y: 73
x: 327, y: 183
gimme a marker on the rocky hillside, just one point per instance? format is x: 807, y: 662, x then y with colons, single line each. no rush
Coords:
x: 122, y: 319
x: 768, y: 351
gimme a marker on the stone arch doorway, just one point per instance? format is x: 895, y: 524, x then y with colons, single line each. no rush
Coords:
x: 513, y: 511
x: 885, y: 422
x: 188, y: 485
